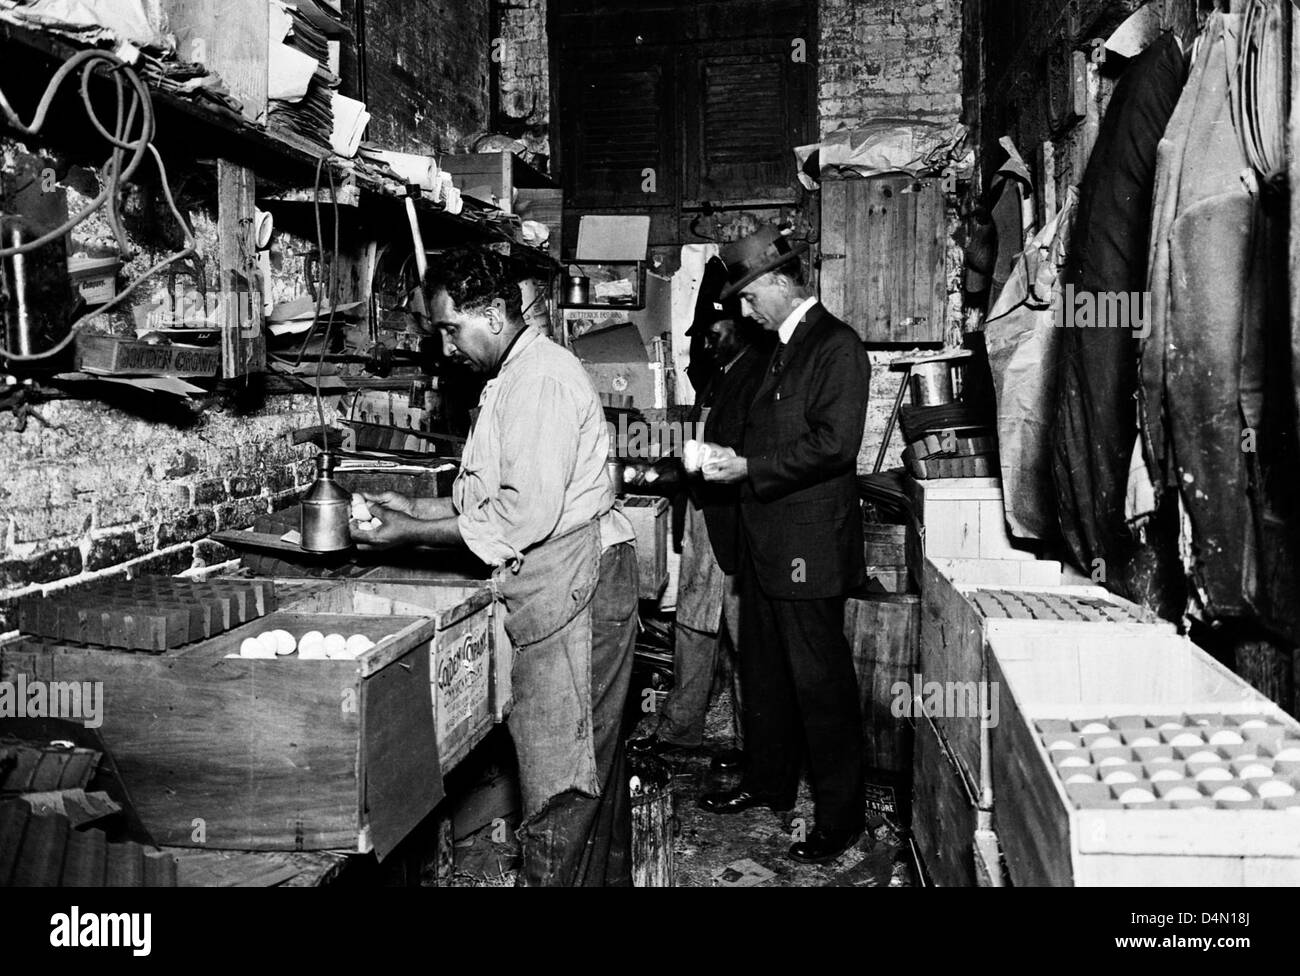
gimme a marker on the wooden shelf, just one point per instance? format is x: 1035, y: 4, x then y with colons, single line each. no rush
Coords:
x: 186, y: 127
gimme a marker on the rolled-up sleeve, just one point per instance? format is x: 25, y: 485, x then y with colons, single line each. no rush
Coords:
x: 535, y: 446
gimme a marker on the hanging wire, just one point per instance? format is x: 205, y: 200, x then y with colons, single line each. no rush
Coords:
x: 117, y: 170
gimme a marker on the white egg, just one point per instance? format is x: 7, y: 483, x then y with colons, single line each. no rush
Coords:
x: 1113, y: 761
x: 1081, y: 778
x: 1144, y: 740
x: 1171, y: 725
x: 359, y: 644
x: 268, y: 641
x: 1095, y: 727
x: 1235, y: 793
x: 1254, y: 723
x: 1291, y: 754
x: 315, y: 651
x: 1187, y: 739
x: 360, y: 510
x: 284, y: 642
x: 1226, y: 737
x: 251, y: 647
x: 1105, y: 742
x: 1204, y: 755
x: 1183, y: 793
x: 1119, y: 776
x: 1256, y: 771
x: 335, y: 645
x: 1165, y: 775
x: 1215, y: 774
x: 1275, y: 787
x: 1137, y: 795
x: 1069, y: 762
x: 1061, y: 744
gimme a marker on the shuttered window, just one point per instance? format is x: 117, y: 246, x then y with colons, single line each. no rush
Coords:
x: 671, y: 104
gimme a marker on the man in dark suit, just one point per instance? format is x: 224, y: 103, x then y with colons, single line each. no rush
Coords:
x: 708, y: 604
x: 801, y: 551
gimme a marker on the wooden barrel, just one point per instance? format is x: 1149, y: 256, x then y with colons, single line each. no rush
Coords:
x: 884, y: 632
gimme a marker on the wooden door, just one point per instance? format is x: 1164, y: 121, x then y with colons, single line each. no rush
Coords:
x: 883, y: 257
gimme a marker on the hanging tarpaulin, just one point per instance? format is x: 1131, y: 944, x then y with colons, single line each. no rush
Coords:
x: 1092, y: 437
x: 1021, y: 336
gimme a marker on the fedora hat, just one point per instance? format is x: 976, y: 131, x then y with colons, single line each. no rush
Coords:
x: 710, y: 306
x: 754, y: 256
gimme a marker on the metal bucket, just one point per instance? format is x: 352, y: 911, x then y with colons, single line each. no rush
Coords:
x: 931, y: 384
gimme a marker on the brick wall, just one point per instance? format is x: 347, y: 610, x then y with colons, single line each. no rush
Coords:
x: 427, y: 79
x: 523, y: 59
x: 892, y: 59
x: 889, y: 58
x: 101, y: 492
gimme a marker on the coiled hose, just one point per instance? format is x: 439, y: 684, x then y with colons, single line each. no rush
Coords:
x: 126, y: 157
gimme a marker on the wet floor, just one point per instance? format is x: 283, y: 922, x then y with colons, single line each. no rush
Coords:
x: 746, y: 849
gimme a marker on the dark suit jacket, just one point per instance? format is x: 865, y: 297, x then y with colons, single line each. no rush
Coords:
x: 728, y: 397
x: 799, y: 506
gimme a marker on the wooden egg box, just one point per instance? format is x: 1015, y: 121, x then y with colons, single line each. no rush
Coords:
x: 1052, y: 838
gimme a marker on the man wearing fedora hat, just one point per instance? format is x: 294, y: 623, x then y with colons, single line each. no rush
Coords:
x: 801, y: 550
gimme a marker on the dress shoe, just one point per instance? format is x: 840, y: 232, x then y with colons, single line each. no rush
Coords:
x: 729, y: 760
x: 823, y: 845
x: 736, y: 801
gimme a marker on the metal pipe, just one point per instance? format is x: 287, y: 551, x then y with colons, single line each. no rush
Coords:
x: 23, y: 325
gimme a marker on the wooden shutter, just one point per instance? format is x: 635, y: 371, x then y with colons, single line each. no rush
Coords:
x: 617, y: 129
x: 745, y: 115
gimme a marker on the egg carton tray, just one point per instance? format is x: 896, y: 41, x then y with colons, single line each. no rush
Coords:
x: 1175, y: 762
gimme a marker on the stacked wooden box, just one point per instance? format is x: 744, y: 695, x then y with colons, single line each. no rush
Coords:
x: 954, y: 794
x: 965, y: 534
x: 287, y: 754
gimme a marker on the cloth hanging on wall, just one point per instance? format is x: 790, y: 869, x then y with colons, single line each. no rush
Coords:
x: 1217, y: 416
x: 1097, y: 375
x: 1021, y: 336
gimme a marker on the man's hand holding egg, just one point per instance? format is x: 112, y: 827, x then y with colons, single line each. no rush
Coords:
x: 377, y: 527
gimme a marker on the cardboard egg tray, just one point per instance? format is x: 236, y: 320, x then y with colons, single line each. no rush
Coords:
x: 1181, y: 762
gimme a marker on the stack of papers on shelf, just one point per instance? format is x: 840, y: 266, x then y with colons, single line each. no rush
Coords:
x: 300, y: 82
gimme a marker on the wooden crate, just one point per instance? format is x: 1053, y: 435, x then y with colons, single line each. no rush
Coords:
x: 236, y: 753
x: 957, y: 621
x: 963, y: 518
x: 649, y: 517
x: 944, y: 813
x: 475, y: 693
x: 1049, y: 839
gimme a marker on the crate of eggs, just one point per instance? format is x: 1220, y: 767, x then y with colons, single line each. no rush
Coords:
x: 309, y: 646
x: 1182, y: 762
x: 1117, y: 763
x: 295, y: 731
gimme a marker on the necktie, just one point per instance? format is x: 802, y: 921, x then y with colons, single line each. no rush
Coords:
x: 778, y: 359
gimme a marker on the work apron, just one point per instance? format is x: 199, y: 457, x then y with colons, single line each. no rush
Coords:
x: 548, y: 618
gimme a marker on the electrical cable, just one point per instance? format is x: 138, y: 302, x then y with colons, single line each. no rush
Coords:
x: 116, y: 173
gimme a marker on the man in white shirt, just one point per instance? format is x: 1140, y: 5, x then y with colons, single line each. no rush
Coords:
x: 534, y: 501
